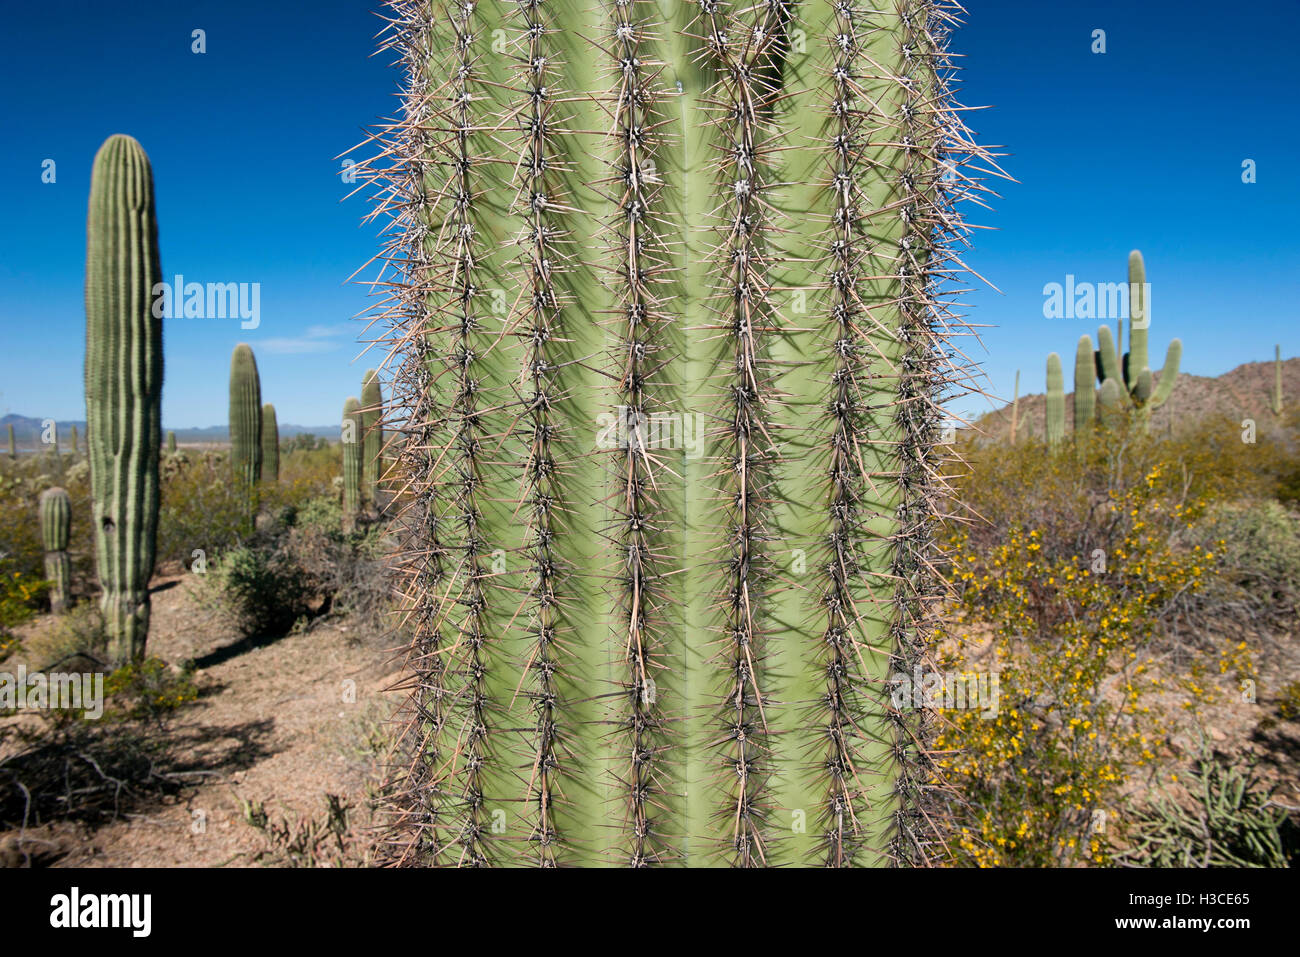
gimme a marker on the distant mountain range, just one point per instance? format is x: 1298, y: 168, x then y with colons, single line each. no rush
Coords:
x: 27, y: 433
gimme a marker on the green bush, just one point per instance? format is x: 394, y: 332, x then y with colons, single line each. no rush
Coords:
x: 260, y: 590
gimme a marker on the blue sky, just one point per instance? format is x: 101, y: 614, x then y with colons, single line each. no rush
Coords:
x: 1139, y: 147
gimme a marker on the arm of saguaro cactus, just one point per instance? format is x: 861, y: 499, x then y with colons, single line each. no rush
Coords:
x: 1169, y: 374
x: 1110, y: 365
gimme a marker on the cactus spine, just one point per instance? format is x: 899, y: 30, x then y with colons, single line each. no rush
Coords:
x: 613, y: 646
x: 124, y: 375
x: 270, y: 445
x: 353, y: 449
x: 245, y: 416
x: 1054, y: 422
x: 56, y: 524
x: 372, y: 401
x: 1276, y: 402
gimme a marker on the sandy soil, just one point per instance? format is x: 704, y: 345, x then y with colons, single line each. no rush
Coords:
x: 271, y: 725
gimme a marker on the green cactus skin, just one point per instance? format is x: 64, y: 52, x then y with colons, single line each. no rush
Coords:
x: 353, y: 447
x: 245, y: 415
x: 635, y: 654
x: 1276, y: 403
x: 171, y: 442
x: 56, y: 524
x: 270, y: 445
x: 124, y: 376
x: 1085, y: 394
x: 1055, y: 412
x: 372, y: 401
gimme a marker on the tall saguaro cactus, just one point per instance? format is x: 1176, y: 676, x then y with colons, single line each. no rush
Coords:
x: 670, y: 336
x: 245, y: 416
x: 124, y: 375
x: 372, y: 401
x: 13, y: 446
x: 1085, y: 394
x: 1131, y: 370
x: 56, y: 525
x: 1054, y: 421
x: 270, y: 445
x: 353, y: 452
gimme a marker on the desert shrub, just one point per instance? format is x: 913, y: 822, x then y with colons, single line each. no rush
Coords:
x: 147, y: 690
x: 1260, y: 546
x: 71, y: 642
x: 261, y: 589
x: 1085, y: 593
x: 201, y: 508
x: 1224, y: 819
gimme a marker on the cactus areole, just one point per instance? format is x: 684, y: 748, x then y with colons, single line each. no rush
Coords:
x: 124, y: 375
x: 668, y: 333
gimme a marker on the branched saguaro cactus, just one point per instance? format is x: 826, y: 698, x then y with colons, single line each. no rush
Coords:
x: 124, y: 375
x: 670, y: 334
x: 245, y: 416
x: 352, y: 434
x: 270, y: 445
x: 56, y: 525
x: 372, y: 401
x: 1131, y: 372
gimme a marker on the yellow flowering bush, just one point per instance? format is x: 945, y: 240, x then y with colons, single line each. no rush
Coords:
x: 1083, y: 573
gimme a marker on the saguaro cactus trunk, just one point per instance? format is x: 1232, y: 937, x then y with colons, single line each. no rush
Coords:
x: 56, y: 524
x: 124, y: 375
x: 671, y: 338
x: 353, y: 451
x: 245, y: 416
x: 371, y: 418
x: 270, y: 445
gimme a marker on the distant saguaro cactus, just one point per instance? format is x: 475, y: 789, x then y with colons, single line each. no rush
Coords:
x: 1054, y: 421
x: 1131, y: 371
x: 1085, y: 393
x: 372, y: 402
x: 56, y: 524
x: 171, y: 442
x: 245, y: 415
x: 353, y: 450
x: 124, y: 376
x: 13, y: 446
x: 270, y: 445
x: 73, y: 440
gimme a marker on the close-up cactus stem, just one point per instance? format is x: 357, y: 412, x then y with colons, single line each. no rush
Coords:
x: 637, y: 645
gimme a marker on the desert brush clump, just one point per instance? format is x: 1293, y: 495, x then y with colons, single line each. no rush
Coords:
x: 1117, y: 592
x: 124, y: 375
x: 669, y: 329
